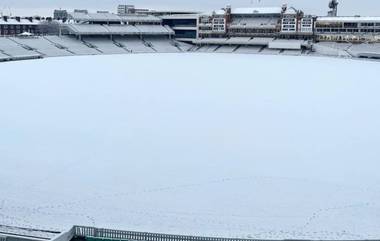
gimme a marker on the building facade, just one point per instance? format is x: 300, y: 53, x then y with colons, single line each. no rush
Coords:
x: 16, y: 25
x: 352, y: 29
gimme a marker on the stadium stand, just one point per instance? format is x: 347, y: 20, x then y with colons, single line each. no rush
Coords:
x: 184, y: 46
x: 43, y: 46
x: 98, y: 29
x: 248, y: 49
x: 226, y: 49
x: 291, y: 52
x: 365, y: 50
x: 72, y: 44
x: 87, y: 29
x: 134, y: 44
x: 239, y: 40
x: 270, y: 51
x: 4, y: 57
x: 122, y: 29
x: 15, y: 50
x: 330, y: 49
x: 286, y: 44
x: 207, y: 48
x: 162, y: 44
x: 105, y: 45
x: 154, y: 30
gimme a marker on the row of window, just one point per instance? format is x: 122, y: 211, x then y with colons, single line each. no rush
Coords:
x: 6, y: 27
x: 329, y: 30
x: 15, y: 32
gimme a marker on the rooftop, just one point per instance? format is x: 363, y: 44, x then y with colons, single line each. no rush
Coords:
x: 12, y: 21
x: 80, y: 16
x: 350, y: 18
x: 263, y: 10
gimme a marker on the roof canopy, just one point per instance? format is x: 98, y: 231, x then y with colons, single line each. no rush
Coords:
x: 349, y: 19
x: 253, y: 11
x: 94, y: 29
x: 110, y: 17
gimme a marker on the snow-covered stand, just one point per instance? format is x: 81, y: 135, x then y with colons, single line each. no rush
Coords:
x: 96, y: 234
x: 65, y: 236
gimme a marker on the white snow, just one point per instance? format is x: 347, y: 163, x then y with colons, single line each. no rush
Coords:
x: 205, y: 144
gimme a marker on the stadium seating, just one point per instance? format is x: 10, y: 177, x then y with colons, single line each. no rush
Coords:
x: 73, y: 45
x: 134, y: 44
x: 3, y: 57
x: 15, y: 50
x: 248, y: 49
x: 207, y: 48
x: 163, y: 45
x: 270, y: 51
x: 226, y: 49
x: 43, y: 46
x: 105, y: 45
x: 291, y: 52
x: 365, y: 50
x: 184, y: 46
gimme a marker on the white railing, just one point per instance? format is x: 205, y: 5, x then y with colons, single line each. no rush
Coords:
x: 100, y: 233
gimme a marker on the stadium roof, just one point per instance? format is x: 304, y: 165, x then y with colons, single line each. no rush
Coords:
x: 94, y: 29
x: 110, y: 17
x: 249, y: 11
x: 350, y: 19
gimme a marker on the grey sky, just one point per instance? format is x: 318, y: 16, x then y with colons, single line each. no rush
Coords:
x: 347, y: 7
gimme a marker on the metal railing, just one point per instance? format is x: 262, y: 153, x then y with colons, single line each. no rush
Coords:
x: 3, y: 238
x: 130, y: 235
x: 80, y: 231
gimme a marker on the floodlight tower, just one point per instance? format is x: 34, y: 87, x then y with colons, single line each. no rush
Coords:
x: 333, y: 5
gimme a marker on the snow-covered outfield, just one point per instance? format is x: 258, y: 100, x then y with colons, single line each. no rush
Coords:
x: 222, y: 145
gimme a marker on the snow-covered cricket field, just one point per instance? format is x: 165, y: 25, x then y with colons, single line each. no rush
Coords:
x: 222, y: 145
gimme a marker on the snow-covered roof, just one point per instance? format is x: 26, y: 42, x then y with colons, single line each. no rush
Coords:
x: 290, y: 11
x: 180, y: 16
x: 97, y: 29
x: 267, y: 10
x: 350, y: 19
x: 249, y: 11
x: 104, y: 17
x: 12, y: 21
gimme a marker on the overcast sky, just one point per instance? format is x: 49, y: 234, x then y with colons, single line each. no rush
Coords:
x: 44, y: 7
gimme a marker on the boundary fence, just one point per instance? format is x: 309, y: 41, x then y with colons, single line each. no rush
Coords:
x: 101, y: 233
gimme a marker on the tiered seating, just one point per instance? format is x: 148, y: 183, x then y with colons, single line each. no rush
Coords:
x: 184, y: 46
x: 226, y: 49
x: 97, y: 29
x: 163, y: 45
x: 248, y: 49
x: 87, y: 29
x: 43, y: 46
x: 154, y: 30
x: 365, y: 50
x: 134, y: 44
x: 105, y: 45
x: 329, y: 50
x: 73, y: 45
x: 207, y: 48
x: 122, y: 29
x: 239, y: 40
x: 270, y: 51
x: 292, y: 52
x: 3, y: 57
x: 14, y: 49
